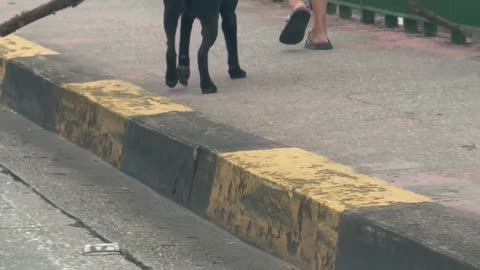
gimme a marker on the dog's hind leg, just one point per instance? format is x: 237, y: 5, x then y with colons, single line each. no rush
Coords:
x: 209, y: 36
x: 183, y: 69
x: 170, y: 22
x: 229, y: 27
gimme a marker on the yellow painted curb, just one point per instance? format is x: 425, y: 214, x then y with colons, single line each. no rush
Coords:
x: 95, y: 114
x: 290, y: 201
x: 13, y: 46
x: 287, y: 201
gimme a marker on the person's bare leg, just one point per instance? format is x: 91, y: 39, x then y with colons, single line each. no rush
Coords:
x: 294, y: 4
x: 319, y: 31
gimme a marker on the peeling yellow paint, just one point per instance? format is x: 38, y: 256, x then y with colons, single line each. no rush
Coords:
x: 95, y: 114
x: 125, y: 99
x: 13, y: 46
x: 91, y: 126
x: 290, y: 201
x: 320, y: 179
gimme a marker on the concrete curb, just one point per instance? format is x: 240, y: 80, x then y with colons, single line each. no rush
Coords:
x: 302, y: 207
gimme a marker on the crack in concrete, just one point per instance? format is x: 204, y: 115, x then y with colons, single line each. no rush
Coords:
x: 78, y: 222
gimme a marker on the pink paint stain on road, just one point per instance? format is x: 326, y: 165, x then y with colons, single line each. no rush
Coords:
x: 439, y: 47
x: 425, y: 180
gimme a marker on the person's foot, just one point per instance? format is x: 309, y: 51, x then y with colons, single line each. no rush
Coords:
x: 294, y: 30
x: 318, y: 43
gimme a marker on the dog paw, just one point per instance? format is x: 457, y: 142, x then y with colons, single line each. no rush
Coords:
x: 208, y: 88
x: 183, y: 73
x: 171, y: 79
x: 237, y: 73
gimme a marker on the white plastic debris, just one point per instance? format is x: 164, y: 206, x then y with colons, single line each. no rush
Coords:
x: 101, y: 249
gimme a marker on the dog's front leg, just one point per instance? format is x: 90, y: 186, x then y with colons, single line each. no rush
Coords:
x: 183, y: 69
x: 170, y: 22
x: 209, y: 36
x: 229, y: 27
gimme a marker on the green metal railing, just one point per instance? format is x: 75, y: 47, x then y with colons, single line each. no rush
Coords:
x: 464, y: 13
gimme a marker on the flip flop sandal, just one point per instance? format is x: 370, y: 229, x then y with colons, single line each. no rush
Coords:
x: 317, y: 46
x: 294, y: 30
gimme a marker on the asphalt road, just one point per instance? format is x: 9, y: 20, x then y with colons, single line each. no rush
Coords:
x: 399, y: 107
x: 55, y: 198
x: 35, y: 235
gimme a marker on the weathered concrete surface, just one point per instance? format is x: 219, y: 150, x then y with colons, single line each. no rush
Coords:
x: 156, y: 232
x: 399, y: 108
x: 288, y: 201
x: 35, y: 235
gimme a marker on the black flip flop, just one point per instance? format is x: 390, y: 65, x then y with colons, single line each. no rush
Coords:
x: 294, y: 30
x: 318, y: 46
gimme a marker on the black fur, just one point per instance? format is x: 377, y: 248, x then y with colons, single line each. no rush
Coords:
x: 208, y: 12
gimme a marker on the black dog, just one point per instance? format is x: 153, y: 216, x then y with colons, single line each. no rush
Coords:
x: 207, y: 11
